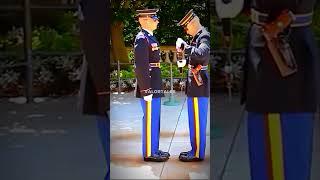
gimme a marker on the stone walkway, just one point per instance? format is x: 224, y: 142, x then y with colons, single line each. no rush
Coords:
x: 126, y: 160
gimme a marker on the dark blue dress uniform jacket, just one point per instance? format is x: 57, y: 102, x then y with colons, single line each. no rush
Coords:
x: 264, y: 89
x: 146, y: 51
x: 199, y: 54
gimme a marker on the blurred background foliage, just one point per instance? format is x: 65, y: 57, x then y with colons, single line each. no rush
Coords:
x: 124, y: 25
x: 170, y: 13
x: 60, y: 34
x: 57, y: 31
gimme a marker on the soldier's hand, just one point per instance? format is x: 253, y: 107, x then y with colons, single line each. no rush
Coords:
x: 148, y: 98
x: 180, y: 45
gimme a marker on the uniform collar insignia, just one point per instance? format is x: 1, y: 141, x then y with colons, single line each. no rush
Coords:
x: 154, y: 46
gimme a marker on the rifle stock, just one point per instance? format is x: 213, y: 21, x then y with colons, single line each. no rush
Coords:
x: 278, y: 59
x: 196, y: 75
x: 271, y: 33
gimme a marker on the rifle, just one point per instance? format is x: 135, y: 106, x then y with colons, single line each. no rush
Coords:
x: 277, y: 44
x: 181, y: 59
x: 196, y: 75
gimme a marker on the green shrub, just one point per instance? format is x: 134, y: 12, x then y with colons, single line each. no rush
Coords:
x: 67, y: 23
x: 48, y: 39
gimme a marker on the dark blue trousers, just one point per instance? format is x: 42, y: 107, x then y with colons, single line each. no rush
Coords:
x: 150, y: 126
x: 280, y: 145
x: 103, y: 125
x: 197, y: 113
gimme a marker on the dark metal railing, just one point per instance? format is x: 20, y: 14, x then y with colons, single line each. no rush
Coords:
x: 27, y: 7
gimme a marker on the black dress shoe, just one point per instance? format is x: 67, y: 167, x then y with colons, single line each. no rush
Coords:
x: 164, y: 153
x: 189, y: 158
x: 183, y: 154
x: 156, y: 158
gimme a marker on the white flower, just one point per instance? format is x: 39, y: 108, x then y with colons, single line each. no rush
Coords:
x: 9, y: 77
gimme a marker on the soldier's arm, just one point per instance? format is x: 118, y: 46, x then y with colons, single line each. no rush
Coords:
x: 141, y: 56
x: 200, y: 53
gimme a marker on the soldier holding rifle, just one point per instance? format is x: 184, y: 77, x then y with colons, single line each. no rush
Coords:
x: 197, y: 87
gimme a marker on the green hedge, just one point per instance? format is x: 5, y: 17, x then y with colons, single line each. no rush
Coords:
x: 127, y: 72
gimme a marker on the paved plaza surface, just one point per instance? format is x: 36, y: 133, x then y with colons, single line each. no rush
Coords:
x: 126, y: 155
x: 48, y: 141
x: 51, y: 140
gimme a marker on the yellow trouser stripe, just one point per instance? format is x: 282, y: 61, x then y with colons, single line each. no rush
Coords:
x: 197, y: 128
x: 276, y: 146
x: 148, y: 128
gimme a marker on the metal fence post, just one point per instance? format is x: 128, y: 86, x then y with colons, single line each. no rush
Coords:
x: 28, y: 49
x: 171, y: 78
x: 229, y: 72
x: 171, y: 101
x: 119, y: 79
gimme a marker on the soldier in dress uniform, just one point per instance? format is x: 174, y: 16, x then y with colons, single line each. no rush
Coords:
x: 94, y: 88
x: 197, y: 86
x: 280, y: 88
x: 149, y: 84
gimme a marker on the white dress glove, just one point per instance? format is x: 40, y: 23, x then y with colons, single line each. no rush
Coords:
x: 148, y: 98
x: 179, y: 43
x: 181, y: 63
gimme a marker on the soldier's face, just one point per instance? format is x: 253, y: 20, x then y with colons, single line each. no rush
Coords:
x: 149, y: 23
x: 191, y: 28
x: 185, y: 29
x: 153, y: 23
